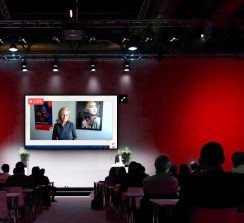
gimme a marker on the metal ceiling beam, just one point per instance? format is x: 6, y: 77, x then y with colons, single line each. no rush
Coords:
x: 118, y: 23
x: 135, y: 57
x: 4, y: 10
x: 144, y: 8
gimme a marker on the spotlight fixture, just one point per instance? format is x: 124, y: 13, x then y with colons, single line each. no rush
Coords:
x: 125, y: 40
x: 24, y: 66
x: 148, y: 39
x: 1, y: 41
x: 132, y: 48
x: 93, y: 67
x: 173, y: 39
x: 13, y: 47
x: 133, y: 42
x: 55, y: 66
x: 126, y: 66
x: 22, y: 40
x: 71, y: 14
x: 56, y: 39
x: 92, y: 39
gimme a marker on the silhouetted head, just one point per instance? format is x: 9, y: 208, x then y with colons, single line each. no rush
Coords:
x: 19, y: 168
x: 184, y: 170
x: 42, y: 171
x: 162, y: 163
x: 35, y: 170
x: 5, y: 168
x: 237, y: 158
x: 141, y: 168
x: 133, y: 168
x: 173, y: 170
x: 212, y: 155
x: 113, y: 171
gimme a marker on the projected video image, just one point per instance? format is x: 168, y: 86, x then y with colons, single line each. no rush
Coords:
x: 66, y: 122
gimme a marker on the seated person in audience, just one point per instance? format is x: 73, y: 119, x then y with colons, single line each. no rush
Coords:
x: 120, y: 175
x: 160, y: 185
x: 134, y: 177
x: 195, y: 168
x: 36, y: 176
x: 184, y: 173
x: 42, y: 186
x: 20, y: 165
x: 238, y: 162
x: 214, y: 188
x: 45, y: 181
x: 173, y: 171
x: 142, y: 171
x: 111, y: 178
x: 19, y: 179
x: 5, y: 174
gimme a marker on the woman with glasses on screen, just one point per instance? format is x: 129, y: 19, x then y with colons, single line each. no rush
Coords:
x: 64, y: 129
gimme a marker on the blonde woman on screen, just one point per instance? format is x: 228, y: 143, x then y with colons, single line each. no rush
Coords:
x: 64, y: 129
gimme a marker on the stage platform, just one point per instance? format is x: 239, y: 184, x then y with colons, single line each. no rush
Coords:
x: 74, y: 191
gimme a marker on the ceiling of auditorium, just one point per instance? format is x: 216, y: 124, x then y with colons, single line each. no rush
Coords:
x: 105, y: 28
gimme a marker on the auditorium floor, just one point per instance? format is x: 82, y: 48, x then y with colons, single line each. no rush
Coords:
x: 73, y: 209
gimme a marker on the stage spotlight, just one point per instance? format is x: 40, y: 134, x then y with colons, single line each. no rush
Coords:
x: 92, y: 40
x: 56, y: 39
x: 126, y: 66
x: 129, y: 43
x: 22, y: 40
x: 24, y: 66
x: 93, y: 67
x: 13, y: 47
x: 55, y: 66
x: 71, y: 14
x: 132, y: 48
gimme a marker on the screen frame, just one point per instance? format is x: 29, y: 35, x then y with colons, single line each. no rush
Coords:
x: 72, y: 144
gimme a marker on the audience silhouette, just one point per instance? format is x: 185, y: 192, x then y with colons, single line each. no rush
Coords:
x: 160, y: 185
x: 19, y: 179
x: 5, y: 174
x: 214, y: 188
x: 238, y: 162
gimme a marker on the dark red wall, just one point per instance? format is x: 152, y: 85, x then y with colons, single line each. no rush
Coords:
x: 175, y: 106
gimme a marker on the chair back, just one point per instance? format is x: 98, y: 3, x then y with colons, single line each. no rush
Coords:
x: 211, y: 215
x: 3, y: 205
x: 237, y: 217
x: 135, y: 190
x: 16, y: 190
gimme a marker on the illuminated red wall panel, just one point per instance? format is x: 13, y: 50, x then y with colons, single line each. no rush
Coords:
x: 175, y: 106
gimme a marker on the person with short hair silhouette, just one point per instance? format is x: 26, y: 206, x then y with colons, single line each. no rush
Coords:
x: 5, y: 174
x: 213, y: 188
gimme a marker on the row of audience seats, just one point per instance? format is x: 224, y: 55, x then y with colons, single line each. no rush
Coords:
x: 29, y: 204
x: 117, y: 206
x: 24, y: 197
x: 207, y: 196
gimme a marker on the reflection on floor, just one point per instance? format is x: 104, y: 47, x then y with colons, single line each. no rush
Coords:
x: 75, y: 209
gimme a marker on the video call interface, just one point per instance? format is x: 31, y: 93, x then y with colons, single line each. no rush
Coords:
x: 71, y: 122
